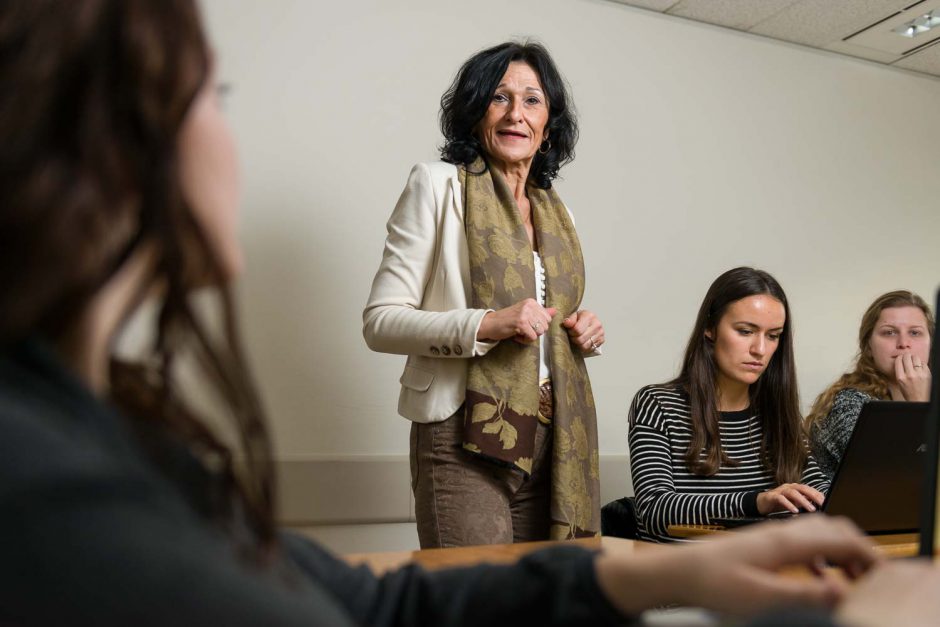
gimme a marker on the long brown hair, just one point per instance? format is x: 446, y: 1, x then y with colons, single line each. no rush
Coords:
x: 92, y: 97
x: 774, y: 396
x: 865, y: 376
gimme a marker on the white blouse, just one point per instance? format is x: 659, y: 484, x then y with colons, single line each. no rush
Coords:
x: 544, y: 371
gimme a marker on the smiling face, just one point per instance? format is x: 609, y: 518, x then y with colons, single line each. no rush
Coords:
x: 899, y: 330
x: 746, y: 338
x: 513, y: 127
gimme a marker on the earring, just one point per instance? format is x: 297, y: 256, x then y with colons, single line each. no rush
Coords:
x: 546, y: 149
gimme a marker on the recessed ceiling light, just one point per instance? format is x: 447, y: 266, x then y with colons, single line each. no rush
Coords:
x: 919, y: 25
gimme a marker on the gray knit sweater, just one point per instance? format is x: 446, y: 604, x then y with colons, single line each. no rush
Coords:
x: 830, y: 436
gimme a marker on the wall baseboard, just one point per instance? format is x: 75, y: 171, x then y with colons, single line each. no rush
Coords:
x: 358, y: 490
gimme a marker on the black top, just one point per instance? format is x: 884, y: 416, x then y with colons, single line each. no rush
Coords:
x: 92, y: 533
x: 829, y: 437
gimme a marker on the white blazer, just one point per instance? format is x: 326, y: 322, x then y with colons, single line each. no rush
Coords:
x: 420, y: 298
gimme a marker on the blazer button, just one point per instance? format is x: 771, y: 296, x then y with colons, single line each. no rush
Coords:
x: 445, y: 350
x: 435, y: 350
x: 458, y: 350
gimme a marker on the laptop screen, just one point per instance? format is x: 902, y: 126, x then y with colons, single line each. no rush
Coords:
x: 930, y: 526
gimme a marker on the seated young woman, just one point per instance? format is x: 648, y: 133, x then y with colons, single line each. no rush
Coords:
x: 893, y: 350
x: 724, y: 438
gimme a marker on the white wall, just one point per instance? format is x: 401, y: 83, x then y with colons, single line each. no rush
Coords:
x: 701, y: 149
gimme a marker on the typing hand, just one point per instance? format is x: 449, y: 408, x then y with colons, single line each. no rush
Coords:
x: 789, y: 497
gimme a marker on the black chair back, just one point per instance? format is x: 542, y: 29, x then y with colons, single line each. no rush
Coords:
x: 618, y: 519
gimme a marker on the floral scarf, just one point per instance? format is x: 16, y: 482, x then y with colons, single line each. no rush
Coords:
x: 502, y: 395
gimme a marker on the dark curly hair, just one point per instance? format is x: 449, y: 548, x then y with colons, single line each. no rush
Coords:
x: 465, y: 102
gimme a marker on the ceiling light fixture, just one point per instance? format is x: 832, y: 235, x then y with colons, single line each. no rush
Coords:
x: 919, y: 25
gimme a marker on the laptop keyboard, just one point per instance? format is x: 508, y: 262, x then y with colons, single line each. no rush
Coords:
x: 730, y: 523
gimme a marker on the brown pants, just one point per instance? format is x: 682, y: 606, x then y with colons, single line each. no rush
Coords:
x: 462, y: 500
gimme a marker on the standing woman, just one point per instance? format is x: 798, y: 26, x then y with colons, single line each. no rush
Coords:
x: 480, y: 285
x: 892, y: 364
x: 723, y: 439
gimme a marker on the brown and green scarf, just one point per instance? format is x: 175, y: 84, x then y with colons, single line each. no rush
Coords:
x: 502, y: 397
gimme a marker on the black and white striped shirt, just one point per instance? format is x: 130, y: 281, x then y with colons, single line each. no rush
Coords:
x: 667, y: 492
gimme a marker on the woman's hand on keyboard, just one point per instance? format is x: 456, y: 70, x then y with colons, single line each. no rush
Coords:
x: 790, y: 497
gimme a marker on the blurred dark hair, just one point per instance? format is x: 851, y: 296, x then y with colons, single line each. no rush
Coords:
x: 774, y: 397
x: 465, y: 102
x: 92, y: 98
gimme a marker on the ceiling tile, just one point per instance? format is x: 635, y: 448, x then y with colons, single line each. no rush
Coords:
x: 821, y: 22
x: 886, y: 35
x: 730, y: 13
x: 817, y: 23
x: 655, y: 5
x: 926, y: 61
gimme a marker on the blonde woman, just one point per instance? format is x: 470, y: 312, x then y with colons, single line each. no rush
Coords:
x: 892, y: 364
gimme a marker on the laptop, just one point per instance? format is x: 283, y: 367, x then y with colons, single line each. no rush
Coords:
x: 879, y: 482
x: 880, y: 479
x: 930, y: 520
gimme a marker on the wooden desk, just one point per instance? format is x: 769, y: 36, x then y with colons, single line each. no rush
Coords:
x: 900, y: 545
x: 892, y: 545
x: 491, y: 554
